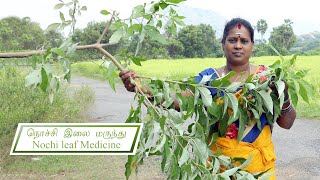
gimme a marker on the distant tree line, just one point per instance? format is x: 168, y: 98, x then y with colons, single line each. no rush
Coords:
x: 191, y: 41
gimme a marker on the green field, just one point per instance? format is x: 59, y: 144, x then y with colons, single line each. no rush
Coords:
x: 178, y: 69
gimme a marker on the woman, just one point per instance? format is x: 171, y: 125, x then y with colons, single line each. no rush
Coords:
x: 237, y: 44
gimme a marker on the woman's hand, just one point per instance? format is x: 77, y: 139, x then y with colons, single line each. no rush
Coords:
x: 285, y: 92
x: 125, y: 77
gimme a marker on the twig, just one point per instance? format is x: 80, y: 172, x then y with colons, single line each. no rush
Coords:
x: 28, y: 54
x: 106, y: 28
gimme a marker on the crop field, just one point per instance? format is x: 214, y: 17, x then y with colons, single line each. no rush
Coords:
x: 181, y: 68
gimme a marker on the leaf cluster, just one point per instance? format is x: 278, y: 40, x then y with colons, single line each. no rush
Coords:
x: 185, y: 138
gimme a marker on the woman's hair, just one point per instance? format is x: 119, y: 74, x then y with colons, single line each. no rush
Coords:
x: 235, y: 22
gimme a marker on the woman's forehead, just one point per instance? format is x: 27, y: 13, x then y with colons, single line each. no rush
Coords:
x: 236, y: 31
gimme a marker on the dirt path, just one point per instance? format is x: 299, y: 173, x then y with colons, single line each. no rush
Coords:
x: 297, y: 149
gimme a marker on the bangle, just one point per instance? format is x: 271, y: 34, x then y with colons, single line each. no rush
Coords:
x: 285, y: 101
x: 287, y: 109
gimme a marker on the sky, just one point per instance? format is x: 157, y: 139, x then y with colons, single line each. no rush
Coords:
x: 304, y: 13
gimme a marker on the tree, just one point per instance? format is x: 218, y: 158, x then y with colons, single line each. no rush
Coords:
x: 262, y: 27
x: 53, y: 38
x: 20, y: 34
x: 199, y: 41
x: 89, y: 35
x: 283, y: 37
x: 175, y: 48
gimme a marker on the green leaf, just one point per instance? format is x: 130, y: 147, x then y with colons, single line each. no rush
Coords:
x: 131, y: 165
x: 58, y: 51
x: 159, y: 24
x: 175, y: 1
x: 275, y: 65
x: 163, y: 5
x: 250, y: 86
x: 83, y: 8
x: 205, y: 96
x: 116, y: 36
x: 205, y: 79
x: 178, y: 21
x: 230, y: 172
x: 233, y: 87
x: 257, y: 117
x: 234, y: 102
x: 137, y: 12
x: 67, y: 76
x: 267, y: 100
x: 201, y: 150
x: 44, y: 80
x: 53, y: 26
x: 137, y: 60
x: 293, y: 97
x: 216, y: 166
x: 243, y: 119
x: 214, y: 110
x: 166, y: 154
x: 162, y: 122
x: 280, y: 87
x: 296, y: 86
x: 246, y: 163
x: 62, y: 17
x: 175, y: 171
x: 104, y: 12
x: 175, y: 116
x: 160, y: 145
x: 293, y: 59
x: 224, y: 160
x: 154, y: 34
x: 184, y: 157
x: 199, y: 131
x: 305, y: 90
x: 276, y: 51
x: 34, y: 78
x: 223, y: 125
x: 58, y: 6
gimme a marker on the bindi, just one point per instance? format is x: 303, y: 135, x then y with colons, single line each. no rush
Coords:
x: 239, y: 26
x: 238, y: 34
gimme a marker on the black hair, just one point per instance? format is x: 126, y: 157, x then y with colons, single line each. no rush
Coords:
x: 234, y: 22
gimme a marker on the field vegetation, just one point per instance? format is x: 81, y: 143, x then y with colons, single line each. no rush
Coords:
x: 181, y: 68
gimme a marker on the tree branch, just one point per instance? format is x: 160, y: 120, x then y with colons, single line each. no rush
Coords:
x: 28, y: 54
x: 106, y: 28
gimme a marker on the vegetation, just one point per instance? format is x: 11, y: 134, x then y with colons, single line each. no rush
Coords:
x: 283, y: 37
x: 21, y: 104
x: 23, y: 34
x: 262, y: 27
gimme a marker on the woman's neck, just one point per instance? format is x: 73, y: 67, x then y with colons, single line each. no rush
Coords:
x: 237, y: 68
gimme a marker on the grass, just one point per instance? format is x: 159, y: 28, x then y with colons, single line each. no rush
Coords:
x: 181, y: 68
x: 20, y: 104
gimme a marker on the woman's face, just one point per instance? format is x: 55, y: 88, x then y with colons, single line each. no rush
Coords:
x: 238, y: 45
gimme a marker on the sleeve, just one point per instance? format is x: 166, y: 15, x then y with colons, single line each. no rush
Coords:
x: 207, y: 72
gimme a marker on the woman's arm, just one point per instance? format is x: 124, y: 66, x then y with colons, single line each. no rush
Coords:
x: 288, y: 113
x: 125, y: 77
x: 287, y: 117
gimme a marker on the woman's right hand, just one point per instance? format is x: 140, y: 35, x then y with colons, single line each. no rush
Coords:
x: 125, y: 77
